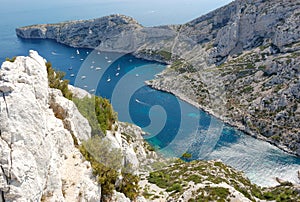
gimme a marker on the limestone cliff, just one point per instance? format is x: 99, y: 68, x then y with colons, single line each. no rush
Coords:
x: 38, y: 158
x: 40, y: 131
x: 239, y: 62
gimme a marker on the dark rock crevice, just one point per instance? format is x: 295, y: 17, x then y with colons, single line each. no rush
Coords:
x: 6, y: 107
x: 2, y: 199
x: 2, y: 196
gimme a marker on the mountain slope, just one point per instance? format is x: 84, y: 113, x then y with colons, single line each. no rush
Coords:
x: 239, y: 62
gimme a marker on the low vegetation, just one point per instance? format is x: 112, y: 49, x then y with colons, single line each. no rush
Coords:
x: 11, y: 59
x: 212, y: 176
x: 98, y: 111
x: 106, y: 163
x: 55, y: 80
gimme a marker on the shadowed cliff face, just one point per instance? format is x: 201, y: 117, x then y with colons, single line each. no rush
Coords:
x: 240, y: 62
x: 240, y: 25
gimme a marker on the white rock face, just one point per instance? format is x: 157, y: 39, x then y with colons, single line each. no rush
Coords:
x: 38, y: 158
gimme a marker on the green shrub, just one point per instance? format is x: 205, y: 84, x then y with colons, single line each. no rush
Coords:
x: 106, y: 161
x: 175, y: 187
x: 55, y: 80
x: 98, y: 111
x: 11, y: 60
x: 165, y: 54
x: 186, y: 156
x: 160, y: 179
x: 129, y: 185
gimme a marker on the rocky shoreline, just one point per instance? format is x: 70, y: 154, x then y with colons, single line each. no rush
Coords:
x: 234, y: 124
x: 242, y: 58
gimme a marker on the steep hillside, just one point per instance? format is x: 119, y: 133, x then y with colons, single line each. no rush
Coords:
x: 250, y: 77
x: 38, y: 158
x: 239, y: 62
x: 42, y: 136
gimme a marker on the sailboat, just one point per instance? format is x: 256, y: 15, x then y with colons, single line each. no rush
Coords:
x: 77, y: 51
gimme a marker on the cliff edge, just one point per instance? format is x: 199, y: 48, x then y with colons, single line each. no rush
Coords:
x: 38, y: 158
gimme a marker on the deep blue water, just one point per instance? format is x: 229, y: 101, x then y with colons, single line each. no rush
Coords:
x: 173, y: 126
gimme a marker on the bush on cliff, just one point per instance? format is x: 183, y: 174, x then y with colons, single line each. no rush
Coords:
x: 98, y: 111
x: 106, y: 163
x: 55, y: 80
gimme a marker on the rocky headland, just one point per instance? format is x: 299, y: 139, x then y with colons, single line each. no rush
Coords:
x: 239, y: 62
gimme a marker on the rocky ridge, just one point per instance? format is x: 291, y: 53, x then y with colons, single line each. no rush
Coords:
x: 38, y: 158
x: 246, y: 49
x: 40, y: 131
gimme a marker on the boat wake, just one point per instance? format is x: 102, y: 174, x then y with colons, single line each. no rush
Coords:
x: 54, y: 53
x: 140, y: 102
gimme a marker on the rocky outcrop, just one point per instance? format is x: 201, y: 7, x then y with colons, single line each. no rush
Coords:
x: 40, y: 131
x: 111, y: 33
x: 38, y: 158
x: 209, y: 181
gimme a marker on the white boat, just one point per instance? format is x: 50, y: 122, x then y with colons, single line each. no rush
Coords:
x: 83, y: 77
x: 85, y: 86
x: 98, y: 53
x: 117, y: 74
x: 81, y: 59
x: 92, y: 67
x: 87, y: 52
x: 98, y: 68
x: 70, y: 68
x: 72, y: 57
x: 72, y: 75
x: 77, y: 51
x: 130, y: 60
x: 54, y: 53
x: 118, y: 68
x: 109, y: 61
x: 137, y: 75
x: 93, y: 62
x: 106, y: 57
x: 92, y: 90
x: 108, y: 80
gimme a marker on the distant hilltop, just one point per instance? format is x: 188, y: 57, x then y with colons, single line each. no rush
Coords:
x: 239, y: 62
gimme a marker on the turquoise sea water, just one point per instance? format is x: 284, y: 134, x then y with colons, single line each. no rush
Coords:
x: 173, y: 126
